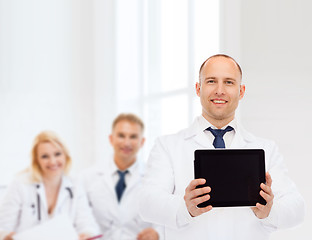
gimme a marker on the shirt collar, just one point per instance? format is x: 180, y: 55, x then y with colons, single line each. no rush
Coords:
x: 131, y: 169
x: 204, y: 124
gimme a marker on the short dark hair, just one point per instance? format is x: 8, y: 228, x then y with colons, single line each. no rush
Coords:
x: 129, y: 117
x: 220, y: 55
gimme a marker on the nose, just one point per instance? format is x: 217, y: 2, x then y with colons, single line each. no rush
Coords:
x: 127, y: 141
x: 219, y: 89
x: 53, y: 160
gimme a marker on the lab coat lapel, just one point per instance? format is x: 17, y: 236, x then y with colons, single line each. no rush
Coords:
x: 238, y: 141
x: 64, y: 192
x: 42, y: 198
x: 241, y: 138
x: 134, y: 181
x: 136, y: 176
x: 106, y: 170
x: 196, y: 132
x: 110, y: 185
x: 202, y: 140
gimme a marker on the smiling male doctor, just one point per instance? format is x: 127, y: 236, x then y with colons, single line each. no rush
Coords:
x: 113, y: 188
x: 170, y: 196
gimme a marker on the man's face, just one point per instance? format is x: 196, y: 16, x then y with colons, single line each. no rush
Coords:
x: 220, y: 90
x: 126, y: 139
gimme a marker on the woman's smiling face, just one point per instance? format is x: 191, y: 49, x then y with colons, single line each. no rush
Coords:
x: 51, y: 159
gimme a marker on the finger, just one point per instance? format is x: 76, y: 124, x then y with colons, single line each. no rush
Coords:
x: 192, y: 205
x: 150, y: 234
x: 199, y: 211
x: 83, y: 236
x: 268, y: 198
x: 200, y: 200
x: 260, y: 207
x: 268, y: 179
x: 141, y: 235
x: 198, y: 192
x: 254, y: 208
x: 201, y: 191
x: 9, y: 236
x: 194, y: 183
x: 145, y: 236
x: 266, y: 189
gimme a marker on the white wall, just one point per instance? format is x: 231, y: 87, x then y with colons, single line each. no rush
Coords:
x: 275, y: 52
x: 104, y: 48
x: 46, y: 64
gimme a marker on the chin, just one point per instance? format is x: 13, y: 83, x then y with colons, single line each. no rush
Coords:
x: 127, y: 154
x: 54, y: 172
x: 220, y: 118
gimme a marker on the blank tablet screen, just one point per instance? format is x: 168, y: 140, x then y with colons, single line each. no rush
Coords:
x: 234, y: 176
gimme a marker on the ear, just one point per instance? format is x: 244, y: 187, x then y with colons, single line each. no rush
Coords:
x: 197, y: 87
x: 110, y: 137
x: 142, y: 141
x: 242, y: 91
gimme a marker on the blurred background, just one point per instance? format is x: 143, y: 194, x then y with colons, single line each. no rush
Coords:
x: 72, y: 65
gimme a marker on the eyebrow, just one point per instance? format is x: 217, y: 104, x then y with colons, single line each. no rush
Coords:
x: 209, y: 78
x: 233, y: 79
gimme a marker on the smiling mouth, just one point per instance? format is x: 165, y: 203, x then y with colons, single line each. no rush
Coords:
x: 126, y: 150
x: 54, y: 168
x: 218, y: 101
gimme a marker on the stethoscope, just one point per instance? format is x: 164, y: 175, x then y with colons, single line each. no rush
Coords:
x: 70, y: 192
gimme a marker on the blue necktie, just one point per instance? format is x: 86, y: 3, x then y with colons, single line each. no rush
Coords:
x: 218, y: 133
x: 121, y: 184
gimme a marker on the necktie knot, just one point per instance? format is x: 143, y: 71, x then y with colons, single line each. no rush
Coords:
x: 121, y: 184
x: 122, y: 174
x: 218, y: 134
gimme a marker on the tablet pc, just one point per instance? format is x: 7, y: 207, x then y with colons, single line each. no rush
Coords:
x: 234, y: 176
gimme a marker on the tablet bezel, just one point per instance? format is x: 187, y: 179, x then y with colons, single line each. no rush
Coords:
x: 208, y: 155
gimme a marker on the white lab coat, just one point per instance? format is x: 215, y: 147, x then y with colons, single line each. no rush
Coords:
x: 170, y: 169
x: 19, y: 208
x: 118, y: 221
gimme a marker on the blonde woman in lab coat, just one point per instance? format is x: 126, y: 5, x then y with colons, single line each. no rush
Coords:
x: 45, y: 191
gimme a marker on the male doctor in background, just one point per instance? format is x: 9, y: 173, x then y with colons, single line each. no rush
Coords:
x: 170, y: 196
x: 113, y: 188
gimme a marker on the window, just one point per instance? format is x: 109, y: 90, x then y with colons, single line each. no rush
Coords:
x: 161, y: 45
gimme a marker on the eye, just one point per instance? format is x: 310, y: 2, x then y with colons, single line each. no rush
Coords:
x: 229, y: 82
x: 134, y: 136
x: 44, y: 156
x: 121, y: 135
x: 210, y: 81
x: 57, y: 154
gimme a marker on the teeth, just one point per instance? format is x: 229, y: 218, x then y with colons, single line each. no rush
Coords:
x: 218, y: 101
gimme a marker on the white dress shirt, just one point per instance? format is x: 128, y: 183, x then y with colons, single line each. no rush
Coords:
x: 130, y: 172
x: 228, y: 136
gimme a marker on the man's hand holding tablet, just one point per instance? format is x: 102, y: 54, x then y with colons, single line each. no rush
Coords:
x: 194, y: 196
